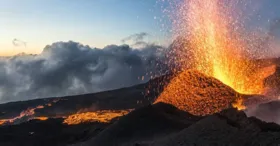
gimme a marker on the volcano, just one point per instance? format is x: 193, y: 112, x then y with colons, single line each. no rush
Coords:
x: 134, y: 116
x: 198, y: 94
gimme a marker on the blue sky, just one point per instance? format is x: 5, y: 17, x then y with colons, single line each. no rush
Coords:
x: 92, y: 22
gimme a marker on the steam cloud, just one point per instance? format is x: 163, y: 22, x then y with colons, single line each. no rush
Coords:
x: 269, y: 112
x: 67, y: 68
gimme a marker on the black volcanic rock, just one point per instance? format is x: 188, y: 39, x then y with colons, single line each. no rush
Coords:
x: 230, y: 127
x: 164, y: 125
x: 153, y: 125
x: 48, y: 133
x: 144, y: 124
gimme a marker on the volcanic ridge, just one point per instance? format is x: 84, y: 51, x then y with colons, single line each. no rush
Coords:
x: 203, y: 114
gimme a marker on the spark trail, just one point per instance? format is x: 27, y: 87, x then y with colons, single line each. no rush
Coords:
x: 213, y: 40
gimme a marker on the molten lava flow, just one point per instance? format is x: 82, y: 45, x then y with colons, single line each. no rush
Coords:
x: 2, y: 122
x: 29, y: 114
x: 41, y: 118
x: 26, y: 113
x: 103, y: 116
x: 212, y: 42
x: 239, y: 104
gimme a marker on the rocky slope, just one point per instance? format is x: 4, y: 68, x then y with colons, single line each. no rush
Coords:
x: 159, y: 124
x: 164, y: 125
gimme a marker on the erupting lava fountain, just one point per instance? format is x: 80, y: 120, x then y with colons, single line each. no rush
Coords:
x: 212, y: 39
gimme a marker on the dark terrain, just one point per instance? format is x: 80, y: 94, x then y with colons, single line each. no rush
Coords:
x: 152, y: 125
x: 164, y: 125
x: 53, y: 132
x: 148, y: 125
x: 121, y: 99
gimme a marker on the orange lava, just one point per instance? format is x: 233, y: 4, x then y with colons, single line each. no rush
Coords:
x: 28, y: 113
x: 238, y: 103
x: 213, y: 42
x: 218, y: 46
x: 41, y: 118
x: 2, y: 122
x: 103, y: 116
x: 198, y: 93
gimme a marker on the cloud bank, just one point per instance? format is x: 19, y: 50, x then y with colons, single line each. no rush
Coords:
x: 67, y: 68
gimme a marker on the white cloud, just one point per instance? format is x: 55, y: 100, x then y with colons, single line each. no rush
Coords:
x: 66, y: 68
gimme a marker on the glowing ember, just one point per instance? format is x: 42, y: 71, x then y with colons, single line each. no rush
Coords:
x: 41, y: 118
x: 239, y: 104
x: 198, y: 94
x: 217, y: 47
x: 104, y: 116
x: 213, y: 42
